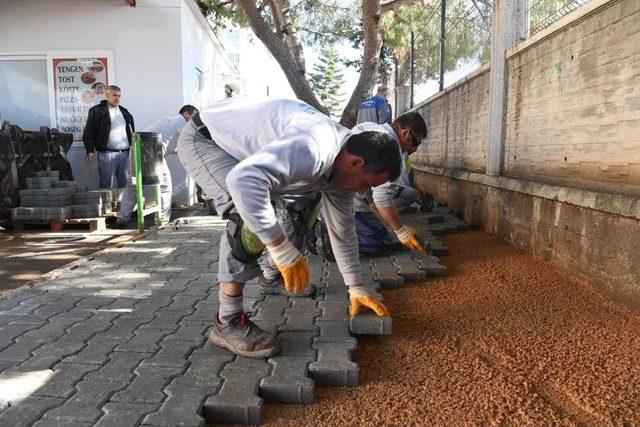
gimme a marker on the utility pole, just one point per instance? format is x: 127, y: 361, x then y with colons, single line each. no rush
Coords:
x: 411, y: 53
x: 443, y: 12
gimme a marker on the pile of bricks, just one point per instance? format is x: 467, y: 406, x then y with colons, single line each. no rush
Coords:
x: 47, y: 199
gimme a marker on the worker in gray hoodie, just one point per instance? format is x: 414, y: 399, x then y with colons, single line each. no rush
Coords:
x: 246, y: 154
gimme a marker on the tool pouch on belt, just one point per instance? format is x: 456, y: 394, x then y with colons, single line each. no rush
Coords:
x: 246, y: 247
x: 304, y: 214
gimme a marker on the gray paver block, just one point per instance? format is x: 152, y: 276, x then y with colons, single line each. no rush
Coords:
x: 371, y: 324
x: 435, y: 247
x: 385, y: 273
x: 408, y: 267
x: 186, y: 393
x: 145, y: 340
x: 119, y: 367
x: 148, y: 385
x: 334, y: 366
x: 173, y: 353
x: 335, y: 331
x: 431, y: 265
x: 333, y: 311
x: 389, y: 279
x: 28, y: 411
x: 289, y: 381
x: 297, y: 343
x: 238, y: 402
x: 269, y: 314
x: 85, y: 405
x: 53, y: 423
x: 122, y: 414
x: 65, y: 377
x: 299, y: 320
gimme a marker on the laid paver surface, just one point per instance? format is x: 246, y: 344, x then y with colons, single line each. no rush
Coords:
x: 121, y: 338
x: 503, y: 339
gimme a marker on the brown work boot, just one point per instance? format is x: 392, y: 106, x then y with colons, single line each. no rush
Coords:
x: 245, y: 338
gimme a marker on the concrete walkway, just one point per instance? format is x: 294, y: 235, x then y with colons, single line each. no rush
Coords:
x: 121, y: 339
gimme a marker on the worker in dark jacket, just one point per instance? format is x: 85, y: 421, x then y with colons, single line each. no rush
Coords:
x: 109, y: 131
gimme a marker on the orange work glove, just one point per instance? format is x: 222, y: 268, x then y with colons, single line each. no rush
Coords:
x: 359, y: 297
x: 407, y: 236
x: 292, y: 265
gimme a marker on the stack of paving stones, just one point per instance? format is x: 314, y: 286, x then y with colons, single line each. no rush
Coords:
x: 48, y: 199
x: 121, y: 338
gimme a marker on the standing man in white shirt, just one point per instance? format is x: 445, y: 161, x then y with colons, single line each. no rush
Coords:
x: 247, y: 155
x: 169, y: 129
x: 109, y: 131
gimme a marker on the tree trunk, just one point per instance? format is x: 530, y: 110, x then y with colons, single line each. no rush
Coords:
x: 282, y: 53
x: 370, y: 60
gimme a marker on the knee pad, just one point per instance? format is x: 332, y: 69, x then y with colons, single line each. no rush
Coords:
x: 246, y: 246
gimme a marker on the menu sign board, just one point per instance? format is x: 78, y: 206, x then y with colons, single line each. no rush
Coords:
x: 80, y: 83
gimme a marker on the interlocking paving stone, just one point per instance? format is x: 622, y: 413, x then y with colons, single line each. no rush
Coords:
x: 148, y: 385
x: 238, y: 402
x: 435, y: 247
x: 152, y: 357
x: 408, y: 267
x: 65, y: 377
x: 289, y: 381
x: 333, y: 311
x: 186, y: 393
x: 85, y: 405
x: 371, y: 324
x: 269, y: 313
x: 123, y: 414
x: 145, y: 340
x: 385, y: 273
x: 430, y: 264
x: 334, y: 366
x: 28, y: 411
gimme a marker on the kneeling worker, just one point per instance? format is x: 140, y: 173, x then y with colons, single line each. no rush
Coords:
x: 390, y: 198
x: 246, y: 154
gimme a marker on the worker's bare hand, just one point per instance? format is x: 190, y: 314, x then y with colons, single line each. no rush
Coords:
x: 90, y: 156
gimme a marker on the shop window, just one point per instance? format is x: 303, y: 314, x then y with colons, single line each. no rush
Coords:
x: 24, y: 93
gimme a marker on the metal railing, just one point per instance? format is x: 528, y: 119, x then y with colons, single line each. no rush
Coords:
x: 452, y: 41
x: 542, y: 13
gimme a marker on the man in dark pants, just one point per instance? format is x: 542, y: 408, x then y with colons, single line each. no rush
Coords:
x: 109, y: 131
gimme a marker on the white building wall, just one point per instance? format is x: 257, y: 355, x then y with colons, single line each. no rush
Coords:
x: 143, y: 40
x: 203, y: 58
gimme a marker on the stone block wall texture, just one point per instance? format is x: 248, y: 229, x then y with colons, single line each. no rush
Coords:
x: 572, y: 120
x: 457, y: 125
x: 599, y: 247
x: 573, y: 109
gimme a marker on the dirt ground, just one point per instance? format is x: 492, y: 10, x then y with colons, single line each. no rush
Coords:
x: 24, y: 256
x: 503, y: 339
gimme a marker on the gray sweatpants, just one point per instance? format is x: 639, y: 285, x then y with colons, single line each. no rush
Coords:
x: 209, y: 166
x: 113, y: 168
x: 130, y: 198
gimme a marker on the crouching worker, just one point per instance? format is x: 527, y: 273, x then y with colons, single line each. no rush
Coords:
x: 245, y: 155
x: 386, y: 201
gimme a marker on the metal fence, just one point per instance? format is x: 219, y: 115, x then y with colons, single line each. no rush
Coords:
x: 449, y: 42
x: 542, y: 13
x: 452, y: 38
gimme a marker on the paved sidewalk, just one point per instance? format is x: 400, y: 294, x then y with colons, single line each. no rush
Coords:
x: 121, y: 339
